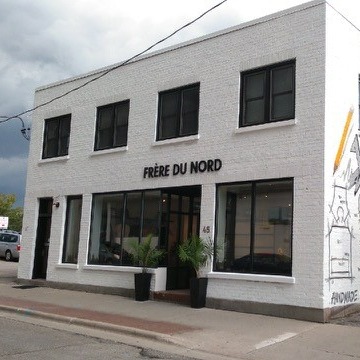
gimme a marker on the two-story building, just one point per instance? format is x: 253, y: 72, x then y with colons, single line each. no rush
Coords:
x: 247, y: 137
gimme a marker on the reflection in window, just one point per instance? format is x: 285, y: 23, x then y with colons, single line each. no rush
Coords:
x: 56, y: 136
x: 254, y: 227
x: 112, y: 125
x: 268, y: 94
x: 72, y: 230
x: 178, y: 112
x: 117, y: 220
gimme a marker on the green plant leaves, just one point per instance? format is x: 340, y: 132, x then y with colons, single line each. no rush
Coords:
x: 145, y: 254
x: 196, y: 252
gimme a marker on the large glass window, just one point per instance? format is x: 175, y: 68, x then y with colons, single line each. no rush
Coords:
x: 254, y: 227
x: 112, y: 125
x: 268, y: 94
x: 56, y: 136
x: 178, y: 112
x: 117, y: 220
x: 72, y: 230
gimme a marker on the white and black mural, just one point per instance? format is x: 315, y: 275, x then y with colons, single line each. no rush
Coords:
x: 343, y: 218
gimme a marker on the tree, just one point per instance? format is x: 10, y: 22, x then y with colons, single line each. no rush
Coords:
x: 15, y: 214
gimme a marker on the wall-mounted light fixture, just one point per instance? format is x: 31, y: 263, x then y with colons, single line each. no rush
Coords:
x: 56, y: 204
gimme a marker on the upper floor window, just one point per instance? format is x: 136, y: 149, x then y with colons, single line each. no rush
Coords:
x: 268, y: 94
x: 178, y: 112
x: 112, y: 125
x: 56, y: 136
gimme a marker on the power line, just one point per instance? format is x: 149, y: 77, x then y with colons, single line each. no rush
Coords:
x: 25, y: 131
x: 343, y: 16
x: 116, y: 66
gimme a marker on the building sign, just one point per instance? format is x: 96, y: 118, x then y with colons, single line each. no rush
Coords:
x: 4, y: 222
x: 192, y: 167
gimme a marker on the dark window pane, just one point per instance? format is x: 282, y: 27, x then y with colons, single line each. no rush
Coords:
x: 268, y: 94
x: 254, y: 112
x: 169, y: 115
x: 121, y: 124
x: 282, y: 107
x: 51, y: 140
x: 72, y: 230
x: 64, y: 134
x: 112, y: 125
x: 255, y: 85
x: 254, y: 233
x: 190, y: 111
x: 151, y: 215
x: 56, y: 136
x: 169, y: 127
x: 178, y: 113
x: 282, y: 80
x: 105, y: 128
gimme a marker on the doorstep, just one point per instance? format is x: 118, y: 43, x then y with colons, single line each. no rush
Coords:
x: 181, y: 297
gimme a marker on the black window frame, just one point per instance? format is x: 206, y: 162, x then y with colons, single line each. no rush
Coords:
x: 268, y: 96
x: 62, y: 139
x: 66, y: 244
x: 179, y: 112
x: 252, y: 253
x: 114, y: 107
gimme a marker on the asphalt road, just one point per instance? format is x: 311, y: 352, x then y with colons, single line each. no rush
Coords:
x: 20, y: 340
x: 29, y: 338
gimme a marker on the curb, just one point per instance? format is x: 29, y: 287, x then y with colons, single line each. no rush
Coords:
x: 90, y: 324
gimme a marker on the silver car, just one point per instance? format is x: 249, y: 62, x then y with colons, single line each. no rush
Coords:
x: 10, y: 245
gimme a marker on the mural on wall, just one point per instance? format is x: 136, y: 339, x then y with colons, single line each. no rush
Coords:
x: 343, y: 216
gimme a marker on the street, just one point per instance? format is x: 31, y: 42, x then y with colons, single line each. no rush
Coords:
x: 29, y: 338
x: 21, y: 340
x: 46, y: 323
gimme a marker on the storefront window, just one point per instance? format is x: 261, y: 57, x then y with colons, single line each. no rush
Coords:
x: 72, y: 230
x: 254, y: 227
x: 117, y: 220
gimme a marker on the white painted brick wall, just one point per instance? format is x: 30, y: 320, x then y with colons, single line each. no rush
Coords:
x: 342, y: 73
x: 216, y: 62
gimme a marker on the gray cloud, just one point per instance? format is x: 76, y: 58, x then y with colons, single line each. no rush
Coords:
x: 43, y: 41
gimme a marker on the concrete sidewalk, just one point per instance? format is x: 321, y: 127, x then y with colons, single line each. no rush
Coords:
x: 215, y: 333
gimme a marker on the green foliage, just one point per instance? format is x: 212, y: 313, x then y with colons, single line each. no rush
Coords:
x: 15, y: 215
x: 145, y: 254
x: 196, y: 252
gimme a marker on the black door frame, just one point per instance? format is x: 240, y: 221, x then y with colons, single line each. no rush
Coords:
x: 178, y: 275
x: 42, y: 238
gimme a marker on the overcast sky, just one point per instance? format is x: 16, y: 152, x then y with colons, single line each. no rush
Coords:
x: 43, y: 41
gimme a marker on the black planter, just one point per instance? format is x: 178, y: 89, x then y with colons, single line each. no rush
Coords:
x: 142, y: 286
x: 198, y: 287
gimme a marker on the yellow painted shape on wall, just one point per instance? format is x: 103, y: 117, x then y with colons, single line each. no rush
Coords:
x: 344, y: 136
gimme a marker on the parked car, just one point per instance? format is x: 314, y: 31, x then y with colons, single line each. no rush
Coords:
x: 263, y: 263
x: 10, y: 245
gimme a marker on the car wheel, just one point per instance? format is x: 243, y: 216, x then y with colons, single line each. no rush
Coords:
x: 8, y: 256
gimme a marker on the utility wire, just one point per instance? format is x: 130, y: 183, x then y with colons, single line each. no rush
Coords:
x: 24, y: 131
x: 116, y: 66
x: 343, y: 16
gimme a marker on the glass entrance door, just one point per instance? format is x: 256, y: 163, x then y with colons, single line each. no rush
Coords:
x: 181, y: 219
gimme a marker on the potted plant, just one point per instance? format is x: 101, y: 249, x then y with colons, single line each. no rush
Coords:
x: 146, y: 255
x: 196, y: 252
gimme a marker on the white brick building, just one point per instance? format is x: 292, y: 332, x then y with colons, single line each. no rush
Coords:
x: 244, y: 136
